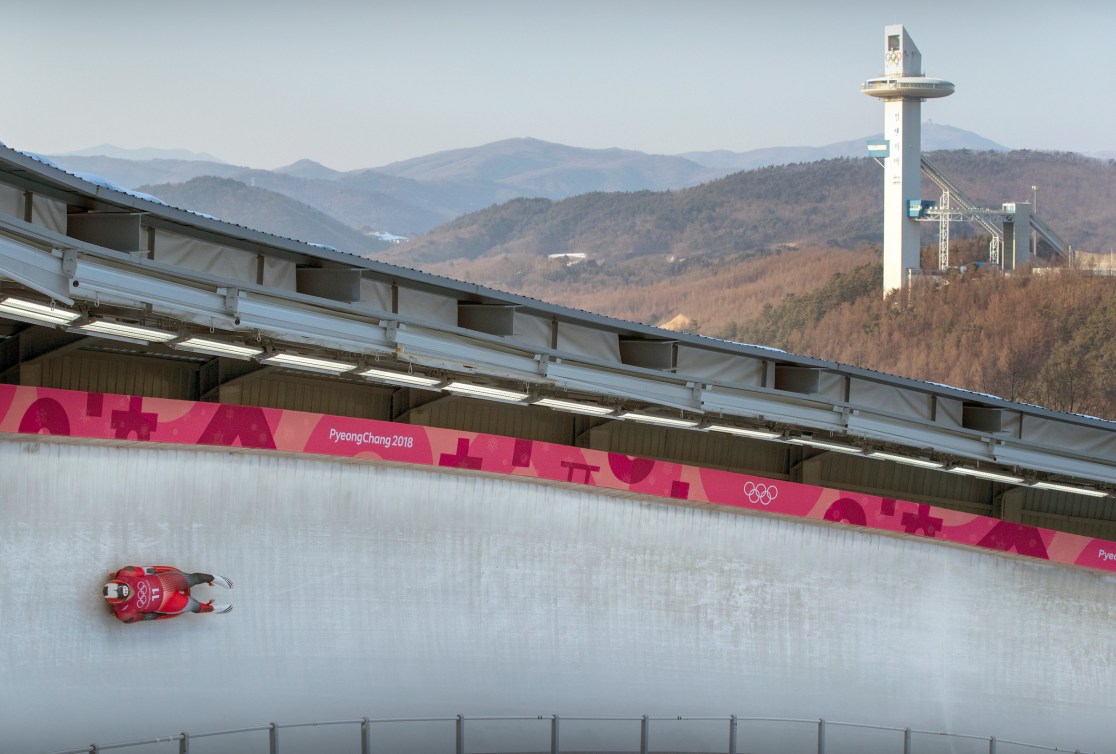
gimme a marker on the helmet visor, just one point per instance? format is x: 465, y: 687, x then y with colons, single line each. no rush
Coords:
x: 114, y: 590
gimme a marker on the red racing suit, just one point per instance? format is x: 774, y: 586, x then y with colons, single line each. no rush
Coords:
x: 158, y: 592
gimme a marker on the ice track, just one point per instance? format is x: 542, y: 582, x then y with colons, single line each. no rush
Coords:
x: 371, y: 590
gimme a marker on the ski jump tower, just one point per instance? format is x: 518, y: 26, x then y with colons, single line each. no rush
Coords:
x: 902, y: 89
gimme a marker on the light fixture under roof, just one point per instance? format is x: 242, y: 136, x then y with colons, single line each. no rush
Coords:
x: 309, y: 363
x: 400, y: 378
x: 30, y: 311
x: 924, y: 463
x: 759, y: 434
x: 1073, y: 489
x: 824, y: 445
x: 121, y: 331
x: 992, y: 476
x: 573, y: 407
x: 218, y: 348
x: 486, y: 392
x: 661, y: 421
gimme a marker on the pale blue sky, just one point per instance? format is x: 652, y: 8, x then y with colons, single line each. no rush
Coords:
x: 360, y: 84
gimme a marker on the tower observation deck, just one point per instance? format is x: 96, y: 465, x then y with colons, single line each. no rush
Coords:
x: 890, y: 87
x: 902, y: 88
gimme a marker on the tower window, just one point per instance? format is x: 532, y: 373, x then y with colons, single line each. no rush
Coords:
x: 893, y: 43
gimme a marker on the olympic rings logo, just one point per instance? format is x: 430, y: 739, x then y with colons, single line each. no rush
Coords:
x: 143, y: 597
x: 761, y: 494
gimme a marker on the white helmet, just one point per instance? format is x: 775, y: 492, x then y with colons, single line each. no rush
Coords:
x: 117, y: 591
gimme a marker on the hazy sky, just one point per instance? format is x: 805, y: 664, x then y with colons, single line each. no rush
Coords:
x: 360, y: 84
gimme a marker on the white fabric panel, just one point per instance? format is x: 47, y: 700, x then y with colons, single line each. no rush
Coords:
x: 533, y: 330
x: 1009, y: 423
x: 831, y: 385
x: 375, y: 294
x: 48, y: 213
x: 366, y: 590
x: 890, y: 399
x: 712, y: 366
x: 1057, y: 435
x: 279, y: 273
x: 948, y: 412
x: 427, y: 307
x: 190, y: 253
x: 11, y: 201
x: 597, y: 344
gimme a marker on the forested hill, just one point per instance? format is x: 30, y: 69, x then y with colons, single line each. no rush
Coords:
x: 837, y: 203
x: 789, y: 257
x: 749, y: 210
x: 1041, y: 339
x: 266, y: 210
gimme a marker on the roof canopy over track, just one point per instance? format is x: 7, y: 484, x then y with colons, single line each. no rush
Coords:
x: 102, y: 289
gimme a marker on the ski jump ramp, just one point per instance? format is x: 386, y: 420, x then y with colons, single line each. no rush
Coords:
x: 371, y: 589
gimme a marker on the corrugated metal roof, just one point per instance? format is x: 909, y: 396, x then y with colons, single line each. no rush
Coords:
x: 41, y: 171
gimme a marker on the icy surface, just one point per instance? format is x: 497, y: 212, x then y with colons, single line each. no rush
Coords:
x: 96, y: 180
x: 367, y: 590
x: 145, y: 197
x: 204, y: 214
x: 45, y: 160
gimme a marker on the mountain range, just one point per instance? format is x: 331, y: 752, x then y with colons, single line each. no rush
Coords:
x: 835, y: 203
x: 935, y: 137
x: 142, y: 153
x: 413, y: 196
x: 777, y: 247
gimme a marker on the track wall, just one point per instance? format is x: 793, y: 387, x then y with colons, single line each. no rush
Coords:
x: 364, y: 589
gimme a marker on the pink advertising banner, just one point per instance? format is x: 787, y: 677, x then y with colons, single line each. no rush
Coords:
x: 102, y: 416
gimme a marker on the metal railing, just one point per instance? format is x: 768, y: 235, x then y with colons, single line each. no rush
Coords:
x: 825, y: 734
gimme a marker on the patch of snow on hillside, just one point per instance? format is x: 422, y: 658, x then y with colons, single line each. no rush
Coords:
x: 572, y: 258
x: 389, y: 237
